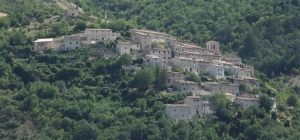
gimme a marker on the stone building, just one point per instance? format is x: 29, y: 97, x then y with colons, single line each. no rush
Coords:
x: 43, y: 44
x: 191, y: 64
x: 214, y: 46
x: 214, y: 87
x: 127, y: 47
x: 72, y: 42
x: 141, y: 38
x: 165, y: 54
x: 153, y: 60
x: 185, y: 86
x: 216, y: 71
x: 72, y: 12
x: 98, y: 35
x: 172, y: 76
x: 177, y: 112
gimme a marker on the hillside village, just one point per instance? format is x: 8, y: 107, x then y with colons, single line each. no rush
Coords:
x: 164, y: 50
x: 160, y: 49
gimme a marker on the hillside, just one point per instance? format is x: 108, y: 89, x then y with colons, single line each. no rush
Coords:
x: 85, y: 95
x: 264, y: 33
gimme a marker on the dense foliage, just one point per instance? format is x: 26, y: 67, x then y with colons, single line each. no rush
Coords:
x: 75, y: 95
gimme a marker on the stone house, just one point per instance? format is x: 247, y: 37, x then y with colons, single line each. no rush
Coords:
x: 216, y: 71
x: 195, y: 105
x: 191, y: 64
x: 214, y: 87
x: 197, y: 55
x: 141, y: 38
x: 127, y: 47
x: 98, y: 35
x: 165, y: 54
x: 172, y: 76
x: 153, y: 60
x: 233, y: 58
x: 239, y: 72
x: 245, y: 102
x: 177, y: 112
x: 191, y: 48
x: 246, y: 67
x: 72, y: 12
x: 223, y: 64
x: 43, y: 44
x: 185, y: 86
x: 214, y: 46
x: 72, y: 42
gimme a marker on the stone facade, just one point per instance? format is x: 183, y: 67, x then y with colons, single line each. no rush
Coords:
x: 98, y: 35
x: 185, y: 86
x: 177, y: 112
x: 127, y: 47
x: 43, y: 44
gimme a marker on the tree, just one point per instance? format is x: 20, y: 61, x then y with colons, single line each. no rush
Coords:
x: 143, y: 79
x: 125, y: 59
x: 292, y: 100
x: 85, y: 131
x: 192, y: 77
x: 265, y: 102
x: 161, y: 78
x: 242, y: 87
x: 80, y: 26
x: 177, y: 69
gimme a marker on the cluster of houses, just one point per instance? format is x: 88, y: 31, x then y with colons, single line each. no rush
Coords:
x: 193, y: 58
x: 73, y: 42
x: 161, y: 49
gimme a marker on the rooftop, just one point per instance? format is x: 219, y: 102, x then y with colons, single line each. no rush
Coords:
x: 176, y: 105
x: 194, y: 97
x: 231, y: 56
x: 152, y: 56
x: 98, y: 29
x: 185, y: 82
x: 44, y: 40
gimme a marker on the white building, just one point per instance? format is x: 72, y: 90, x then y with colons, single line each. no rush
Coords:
x: 141, y: 38
x: 191, y: 64
x: 216, y: 71
x: 127, y: 47
x: 72, y: 42
x: 98, y: 35
x: 172, y: 76
x: 192, y: 48
x: 165, y: 54
x: 185, y: 86
x: 43, y: 44
x: 214, y: 87
x: 177, y: 112
x: 153, y: 60
x: 223, y: 64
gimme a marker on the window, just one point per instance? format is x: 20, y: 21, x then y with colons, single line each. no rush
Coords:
x: 70, y: 42
x: 174, y: 110
x: 76, y: 42
x: 125, y: 47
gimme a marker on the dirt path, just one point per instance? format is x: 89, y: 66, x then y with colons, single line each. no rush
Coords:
x: 67, y: 5
x: 3, y: 14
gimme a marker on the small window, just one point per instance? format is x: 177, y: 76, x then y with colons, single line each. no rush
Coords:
x: 70, y: 42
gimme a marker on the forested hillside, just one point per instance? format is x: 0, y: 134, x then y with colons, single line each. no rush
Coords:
x: 78, y: 95
x: 263, y: 32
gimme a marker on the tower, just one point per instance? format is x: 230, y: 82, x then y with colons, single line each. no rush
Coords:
x: 214, y: 46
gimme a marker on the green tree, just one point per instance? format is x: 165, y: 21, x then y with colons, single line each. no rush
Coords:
x: 143, y: 79
x: 242, y: 87
x: 85, y: 131
x: 80, y: 26
x: 265, y: 102
x: 125, y: 59
x: 161, y: 78
x: 192, y: 77
x: 292, y: 100
x: 177, y: 69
